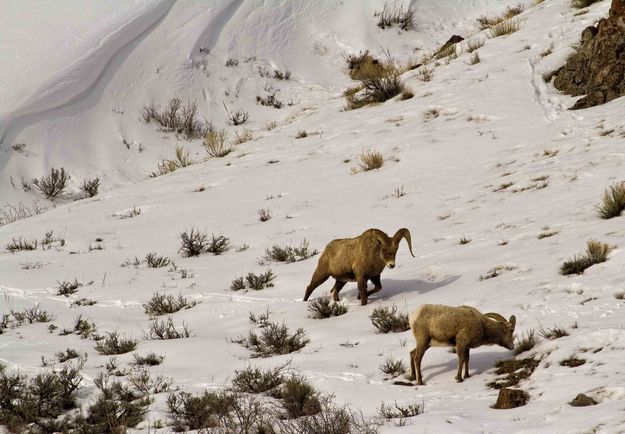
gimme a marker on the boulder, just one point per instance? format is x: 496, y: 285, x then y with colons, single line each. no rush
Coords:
x: 582, y: 400
x: 511, y: 398
x: 597, y: 69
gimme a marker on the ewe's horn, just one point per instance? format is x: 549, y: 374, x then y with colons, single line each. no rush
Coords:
x: 403, y: 233
x: 495, y: 316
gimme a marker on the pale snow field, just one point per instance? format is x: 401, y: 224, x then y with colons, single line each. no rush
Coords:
x: 496, y: 120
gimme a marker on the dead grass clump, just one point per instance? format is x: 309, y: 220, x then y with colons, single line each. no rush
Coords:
x: 20, y: 243
x: 474, y: 58
x: 370, y: 160
x: 504, y: 28
x: 264, y: 214
x: 177, y: 118
x: 485, y: 22
x: 183, y: 159
x: 474, y: 43
x: 496, y: 271
x: 596, y: 253
x: 513, y: 371
x: 242, y: 137
x: 274, y: 339
x: 525, y: 342
x: 555, y: 332
x: 613, y: 202
x: 323, y: 307
x: 387, y: 319
x: 425, y: 73
x: 392, y: 15
x: 215, y: 144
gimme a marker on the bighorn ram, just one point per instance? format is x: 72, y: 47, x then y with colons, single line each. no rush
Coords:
x: 357, y: 260
x: 463, y: 327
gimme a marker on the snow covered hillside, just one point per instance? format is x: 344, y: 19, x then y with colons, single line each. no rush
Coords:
x: 497, y: 182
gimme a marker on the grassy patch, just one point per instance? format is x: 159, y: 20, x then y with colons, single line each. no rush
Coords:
x: 613, y: 202
x: 596, y: 253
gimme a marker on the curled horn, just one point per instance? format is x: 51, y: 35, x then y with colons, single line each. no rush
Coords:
x: 378, y: 235
x: 495, y: 316
x: 402, y: 233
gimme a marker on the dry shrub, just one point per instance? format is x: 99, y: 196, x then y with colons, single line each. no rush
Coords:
x: 387, y: 319
x: 274, y: 339
x: 178, y: 118
x: 324, y: 307
x: 393, y: 15
x: 54, y: 184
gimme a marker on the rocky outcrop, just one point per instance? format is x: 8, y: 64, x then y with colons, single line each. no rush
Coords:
x: 597, y: 69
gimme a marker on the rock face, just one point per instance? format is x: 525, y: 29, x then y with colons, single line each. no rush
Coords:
x: 597, y: 69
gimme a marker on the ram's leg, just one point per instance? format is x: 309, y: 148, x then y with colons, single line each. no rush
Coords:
x: 378, y: 285
x: 362, y: 290
x: 466, y: 363
x: 461, y: 351
x: 317, y: 279
x: 338, y: 285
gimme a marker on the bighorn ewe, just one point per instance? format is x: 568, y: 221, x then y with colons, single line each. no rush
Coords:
x: 463, y: 327
x: 358, y: 259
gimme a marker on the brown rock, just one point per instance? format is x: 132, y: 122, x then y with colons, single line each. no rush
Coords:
x: 451, y: 41
x: 582, y: 400
x: 511, y: 398
x: 597, y: 69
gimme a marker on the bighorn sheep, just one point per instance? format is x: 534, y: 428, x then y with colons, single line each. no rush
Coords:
x: 463, y: 327
x: 357, y: 260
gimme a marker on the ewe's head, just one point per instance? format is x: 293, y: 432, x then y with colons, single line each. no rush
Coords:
x: 506, y: 327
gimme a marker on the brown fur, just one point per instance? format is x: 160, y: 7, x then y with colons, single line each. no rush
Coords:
x: 463, y: 327
x: 357, y: 259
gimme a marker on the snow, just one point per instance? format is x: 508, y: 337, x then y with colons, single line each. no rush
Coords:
x: 73, y: 107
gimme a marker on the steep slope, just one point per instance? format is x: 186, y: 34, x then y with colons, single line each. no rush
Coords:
x: 450, y: 150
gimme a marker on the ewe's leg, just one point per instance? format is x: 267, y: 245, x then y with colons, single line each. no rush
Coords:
x: 421, y: 349
x: 338, y: 285
x: 378, y: 285
x: 362, y: 290
x: 413, y: 374
x: 317, y: 279
x: 466, y: 363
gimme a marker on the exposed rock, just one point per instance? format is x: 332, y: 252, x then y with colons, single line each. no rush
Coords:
x: 511, y: 398
x: 597, y: 69
x: 582, y: 400
x: 451, y: 41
